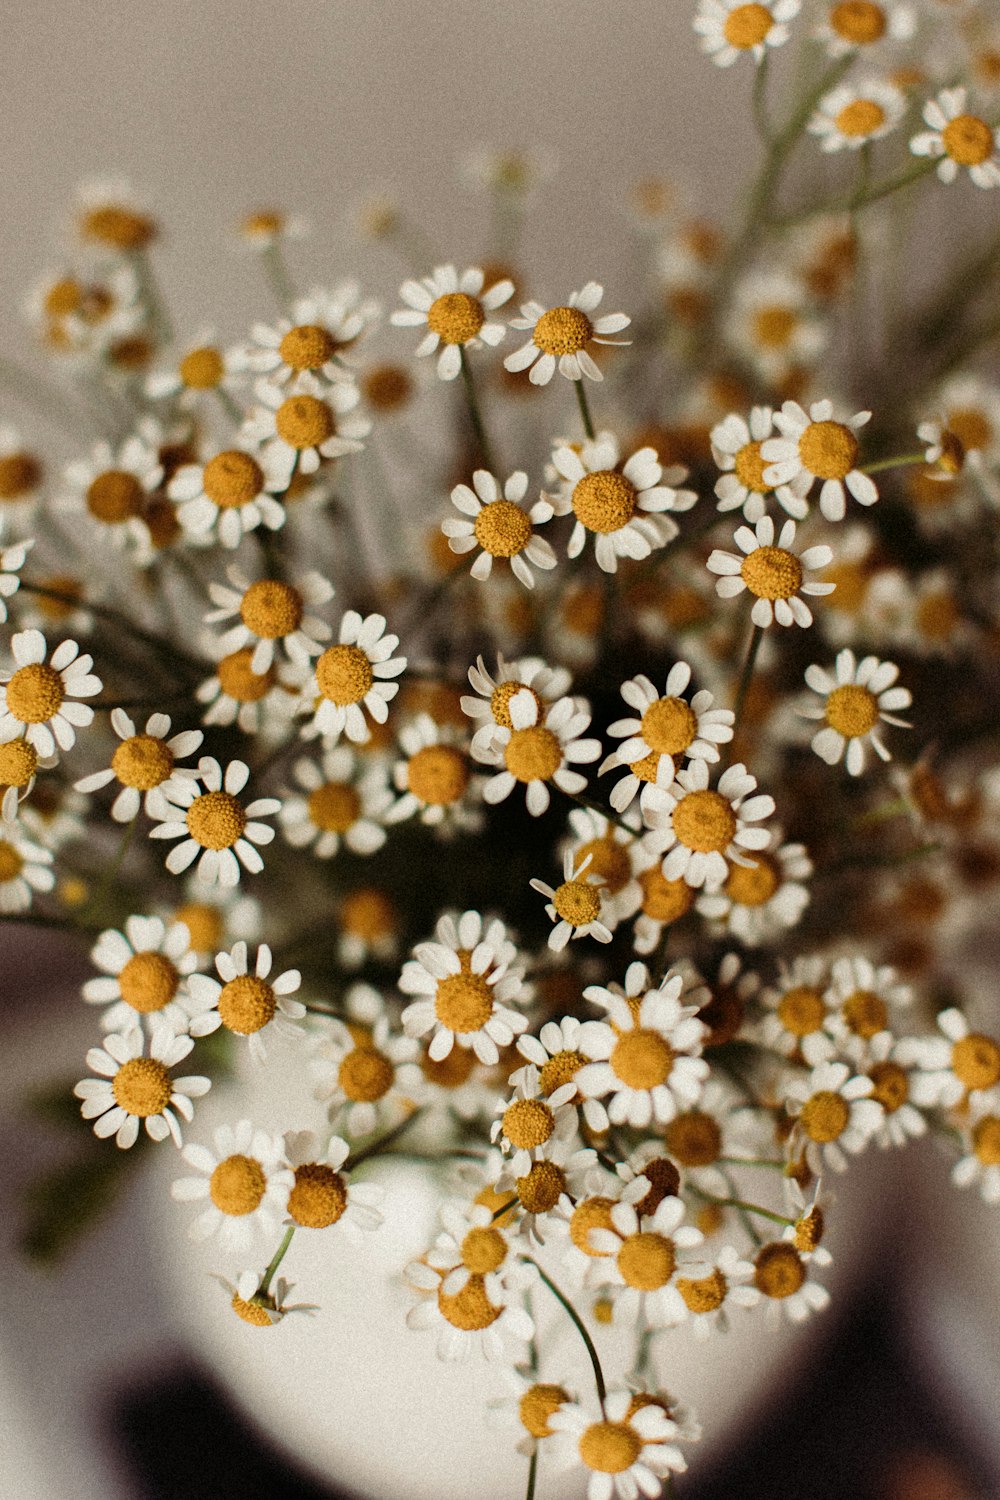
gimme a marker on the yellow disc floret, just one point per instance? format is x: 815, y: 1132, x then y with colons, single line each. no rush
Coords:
x: 801, y: 1010
x: 304, y: 421
x: 344, y: 674
x: 825, y: 1116
x: 610, y: 1447
x: 754, y: 884
x: 148, y: 981
x: 307, y: 347
x: 232, y: 479
x: 11, y: 862
x: 528, y: 1123
x: 237, y: 1185
x: 271, y: 609
x: 365, y: 1075
x: 246, y: 1004
x: 202, y: 369
x: 537, y: 1405
x: 704, y: 822
x: 470, y: 1309
x: 18, y: 763
x: 669, y: 725
x: 455, y: 317
x: 705, y: 1294
x: 319, y: 1196
x: 35, y: 693
x: 771, y: 572
x: 437, y: 775
x: 142, y: 1087
x: 642, y: 1059
x: 829, y: 449
x: 858, y: 21
x: 577, y: 903
x: 604, y: 501
x: 216, y: 820
x: 750, y: 468
x: 541, y: 1188
x: 114, y: 497
x: 975, y: 1061
x: 334, y: 807
x: 142, y: 762
x: 502, y: 528
x: 647, y: 1261
x: 484, y: 1250
x: 968, y: 140
x: 859, y: 118
x: 563, y: 330
x: 533, y: 754
x: 463, y: 1002
x: 747, y: 26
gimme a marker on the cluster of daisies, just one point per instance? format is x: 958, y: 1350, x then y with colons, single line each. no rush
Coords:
x: 516, y: 766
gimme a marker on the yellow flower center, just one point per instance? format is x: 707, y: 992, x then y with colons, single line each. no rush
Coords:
x: 251, y: 1312
x: 387, y: 387
x: 238, y: 682
x: 470, y: 1309
x: 237, y: 1185
x: 753, y: 885
x: 528, y: 1123
x: 986, y: 1140
x: 858, y: 21
x: 264, y: 223
x: 664, y: 900
x: 307, y: 347
x: 750, y: 468
x: 592, y: 1213
x: 452, y: 1071
x: 704, y: 1295
x: 809, y: 1229
x: 778, y: 1271
x: 365, y: 1075
x: 604, y: 501
x: 437, y: 775
x: 704, y: 822
x: 642, y: 1059
x: 463, y: 1002
x: 563, y: 330
x: 972, y: 428
x: 334, y: 807
x: 801, y: 1010
x: 148, y: 982
x: 669, y: 725
x: 232, y: 479
x: 747, y: 26
x: 771, y: 573
x: 968, y: 140
x: 852, y: 710
x: 20, y: 473
x: 610, y: 860
x: 484, y: 1250
x: 114, y: 496
x: 271, y: 609
x: 133, y: 353
x: 828, y: 449
x: 202, y: 369
x: 142, y: 762
x: 500, y: 702
x: 825, y: 1116
x: 859, y: 118
x: 975, y: 1060
x: 216, y: 820
x: 610, y: 1447
x: 533, y: 754
x: 647, y: 1261
x: 694, y: 1139
x: 18, y: 763
x: 318, y: 1197
x: 773, y: 326
x: 891, y: 1085
x: 121, y: 228
x: 850, y: 581
x: 937, y: 616
x: 246, y: 1004
x: 536, y: 1407
x: 559, y: 1069
x: 865, y: 1013
x: 368, y: 914
x: 204, y: 925
x: 577, y: 903
x: 304, y: 422
x: 603, y: 1311
x: 541, y: 1189
x: 502, y: 528
x: 35, y: 693
x: 344, y: 674
x: 455, y: 318
x: 11, y: 862
x: 142, y: 1087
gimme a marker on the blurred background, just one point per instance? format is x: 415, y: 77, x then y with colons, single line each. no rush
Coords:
x: 211, y: 108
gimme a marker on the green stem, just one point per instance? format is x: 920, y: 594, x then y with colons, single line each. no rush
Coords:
x: 759, y: 101
x: 899, y: 462
x: 855, y: 200
x: 104, y: 889
x: 744, y: 1207
x: 752, y: 1161
x: 273, y: 263
x: 475, y: 414
x: 588, y: 1341
x: 158, y: 315
x: 229, y: 406
x: 529, y: 1493
x: 384, y: 1141
x: 749, y: 661
x: 584, y: 405
x: 275, y: 1262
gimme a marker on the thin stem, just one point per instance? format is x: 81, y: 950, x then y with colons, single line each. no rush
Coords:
x: 744, y: 1207
x: 357, y: 1157
x: 158, y: 315
x: 752, y: 1161
x: 275, y: 1262
x: 899, y: 462
x: 759, y: 101
x: 588, y: 1341
x: 475, y: 414
x: 114, y: 617
x: 584, y: 405
x: 229, y: 406
x: 855, y: 200
x: 529, y: 1493
x: 273, y: 263
x: 749, y: 661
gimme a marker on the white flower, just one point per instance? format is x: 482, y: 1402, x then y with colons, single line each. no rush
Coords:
x: 265, y: 228
x: 244, y: 1181
x: 781, y: 1275
x: 37, y: 699
x: 621, y: 508
x: 454, y: 309
x: 259, y: 702
x: 641, y: 1259
x: 145, y: 975
x: 11, y: 559
x: 953, y: 1066
x: 540, y: 746
x: 627, y: 1446
x: 557, y: 1054
x: 615, y: 857
x: 270, y: 611
x: 814, y: 446
x: 247, y: 1004
x: 668, y: 729
x: 323, y: 325
x: 113, y: 486
x: 856, y: 113
x: 216, y: 828
x: 561, y: 334
x: 577, y: 905
x: 299, y: 429
x: 322, y: 1194
x: 261, y: 1309
x: 959, y: 140
x: 736, y: 443
x: 352, y: 676
x: 365, y: 1070
x: 20, y: 477
x: 343, y: 803
x: 731, y: 28
x: 856, y: 699
x: 981, y: 1164
x: 702, y: 828
x: 499, y: 526
x: 773, y: 572
x: 771, y: 327
x: 901, y: 1120
x: 757, y: 901
x: 134, y: 1086
x: 710, y: 1288
x: 229, y: 495
x: 25, y: 867
x: 835, y: 1113
x: 202, y: 367
x: 800, y: 1012
x: 527, y: 1406
x: 435, y: 778
x: 143, y: 763
x: 854, y: 24
x: 492, y: 705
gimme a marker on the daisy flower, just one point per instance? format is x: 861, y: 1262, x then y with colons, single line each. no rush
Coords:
x: 813, y: 446
x: 731, y: 28
x: 261, y: 1309
x: 667, y: 729
x: 455, y: 311
x: 146, y: 967
x: 540, y: 746
x: 322, y: 326
x: 435, y: 778
x: 856, y: 698
x: 799, y: 1012
x: 236, y: 694
x: 110, y: 216
x: 20, y: 763
x: 142, y: 763
x: 736, y: 443
x: 854, y: 24
x: 321, y: 1194
x: 465, y: 982
x: 855, y: 113
x: 299, y: 429
x: 757, y: 901
x: 702, y: 828
x: 529, y: 1128
x: 268, y: 612
x: 38, y: 698
x: 641, y: 1259
x: 972, y: 414
x: 351, y: 677
x: 806, y: 1234
x: 113, y: 486
x: 13, y: 558
x: 901, y: 1120
x: 711, y: 1288
x: 244, y: 1181
x: 621, y: 508
x: 626, y: 1447
x: 781, y: 1275
x: 134, y: 1086
x: 528, y: 1405
x: 614, y: 857
x: 367, y: 925
x: 202, y: 367
x: 662, y: 902
x: 647, y: 1061
x: 20, y: 477
x: 246, y: 1003
x: 561, y: 335
x: 981, y: 1164
x: 576, y: 906
x: 499, y: 526
x: 696, y: 1139
x: 835, y: 1112
x: 557, y: 1056
x: 365, y: 1070
x: 265, y: 228
x: 227, y: 497
x: 959, y: 139
x: 492, y: 703
x: 215, y: 826
x: 773, y: 572
x: 771, y: 327
x: 866, y: 996
x: 953, y: 1066
x: 339, y: 803
x: 25, y: 867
